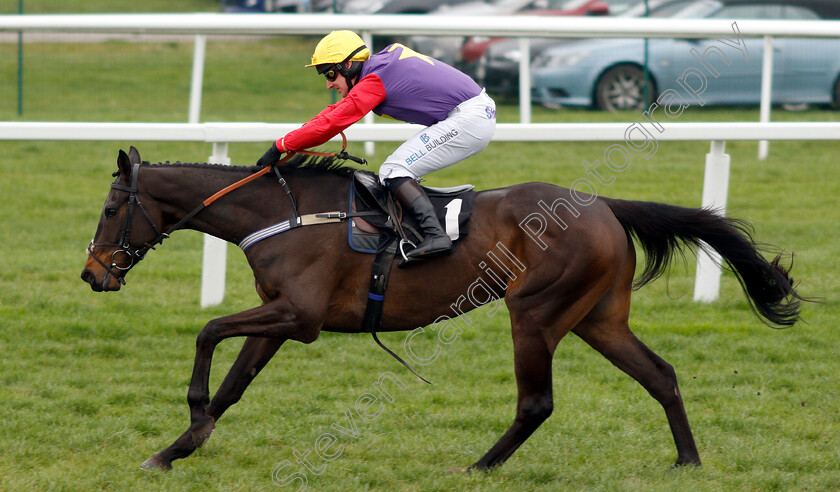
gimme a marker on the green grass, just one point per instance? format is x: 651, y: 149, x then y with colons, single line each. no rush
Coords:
x: 115, y: 6
x: 96, y: 383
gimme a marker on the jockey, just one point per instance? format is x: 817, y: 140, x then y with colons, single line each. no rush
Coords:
x: 397, y: 82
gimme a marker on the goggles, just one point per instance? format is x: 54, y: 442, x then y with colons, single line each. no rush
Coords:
x: 332, y: 73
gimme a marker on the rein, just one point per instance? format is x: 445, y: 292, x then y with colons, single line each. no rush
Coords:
x: 133, y: 202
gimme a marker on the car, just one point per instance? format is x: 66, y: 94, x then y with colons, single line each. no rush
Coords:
x: 393, y: 7
x: 475, y: 47
x: 608, y: 74
x: 383, y: 6
x: 415, y: 6
x: 265, y: 5
x: 495, y: 65
x: 451, y: 49
x: 447, y: 48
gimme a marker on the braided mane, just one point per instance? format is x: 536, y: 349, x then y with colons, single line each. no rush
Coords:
x: 299, y: 164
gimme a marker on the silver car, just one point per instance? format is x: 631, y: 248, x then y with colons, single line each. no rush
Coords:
x: 608, y: 73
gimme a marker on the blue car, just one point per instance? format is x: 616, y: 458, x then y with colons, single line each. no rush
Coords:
x: 608, y: 73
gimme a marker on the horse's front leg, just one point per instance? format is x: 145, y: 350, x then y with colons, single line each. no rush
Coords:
x: 276, y: 319
x: 254, y: 355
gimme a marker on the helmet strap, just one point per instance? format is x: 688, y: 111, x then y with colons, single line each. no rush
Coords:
x: 351, y: 73
x: 360, y: 48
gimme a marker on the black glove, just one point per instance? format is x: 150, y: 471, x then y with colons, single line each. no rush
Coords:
x: 271, y: 156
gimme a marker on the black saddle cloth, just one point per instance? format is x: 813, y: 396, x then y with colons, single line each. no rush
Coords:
x: 452, y: 205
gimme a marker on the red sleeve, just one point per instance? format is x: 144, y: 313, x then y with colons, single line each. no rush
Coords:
x: 365, y: 95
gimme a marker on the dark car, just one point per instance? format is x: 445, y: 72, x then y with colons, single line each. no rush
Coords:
x: 496, y: 65
x: 449, y: 49
x: 265, y: 5
x: 415, y: 6
x: 387, y: 7
x: 381, y: 6
x: 475, y: 47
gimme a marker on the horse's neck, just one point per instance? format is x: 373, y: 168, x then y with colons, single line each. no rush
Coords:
x: 180, y: 190
x: 245, y: 210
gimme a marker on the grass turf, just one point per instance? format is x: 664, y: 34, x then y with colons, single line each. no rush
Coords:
x: 95, y: 383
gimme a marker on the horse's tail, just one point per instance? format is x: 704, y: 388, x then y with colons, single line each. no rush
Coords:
x: 663, y: 230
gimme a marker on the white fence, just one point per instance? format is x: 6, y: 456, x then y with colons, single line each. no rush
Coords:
x: 201, y: 24
x: 715, y: 184
x: 220, y: 134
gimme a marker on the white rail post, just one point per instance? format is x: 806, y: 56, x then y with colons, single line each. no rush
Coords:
x: 524, y: 80
x: 715, y: 188
x: 214, y: 264
x: 766, y: 91
x: 199, y: 49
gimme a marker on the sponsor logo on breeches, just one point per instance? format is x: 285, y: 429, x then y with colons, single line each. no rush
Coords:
x: 430, y: 145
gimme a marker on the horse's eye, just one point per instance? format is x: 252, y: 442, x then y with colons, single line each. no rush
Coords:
x: 110, y: 212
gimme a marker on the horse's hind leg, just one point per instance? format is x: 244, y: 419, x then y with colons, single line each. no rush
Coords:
x: 606, y: 330
x: 255, y: 354
x: 532, y: 364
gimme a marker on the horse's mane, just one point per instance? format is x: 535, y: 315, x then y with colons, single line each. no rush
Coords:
x: 298, y: 165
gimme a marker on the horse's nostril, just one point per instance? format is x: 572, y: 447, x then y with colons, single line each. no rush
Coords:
x: 88, y: 277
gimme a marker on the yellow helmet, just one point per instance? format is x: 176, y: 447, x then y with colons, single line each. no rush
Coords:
x: 339, y: 47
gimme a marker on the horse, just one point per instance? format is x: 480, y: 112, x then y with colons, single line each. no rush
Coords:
x: 563, y: 261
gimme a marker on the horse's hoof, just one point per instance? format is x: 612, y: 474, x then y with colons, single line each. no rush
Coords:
x: 156, y: 463
x: 202, y: 434
x: 680, y: 463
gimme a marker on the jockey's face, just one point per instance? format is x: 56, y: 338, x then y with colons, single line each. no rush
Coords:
x: 340, y: 83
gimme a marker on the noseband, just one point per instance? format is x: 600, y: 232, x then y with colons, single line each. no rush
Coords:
x: 124, y: 244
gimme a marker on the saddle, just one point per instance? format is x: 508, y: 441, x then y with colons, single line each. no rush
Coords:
x: 384, y: 230
x: 377, y: 217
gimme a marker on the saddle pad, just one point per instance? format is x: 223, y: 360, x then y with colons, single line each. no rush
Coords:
x: 453, y: 211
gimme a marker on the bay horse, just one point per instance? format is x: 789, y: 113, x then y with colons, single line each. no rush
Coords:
x: 569, y: 267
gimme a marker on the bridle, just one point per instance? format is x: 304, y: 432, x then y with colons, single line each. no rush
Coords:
x: 124, y: 244
x: 136, y: 255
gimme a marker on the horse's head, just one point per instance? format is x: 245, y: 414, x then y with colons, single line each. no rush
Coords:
x: 126, y: 229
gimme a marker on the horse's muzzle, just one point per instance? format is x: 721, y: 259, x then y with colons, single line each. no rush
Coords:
x: 89, y: 277
x: 99, y: 286
x: 103, y: 282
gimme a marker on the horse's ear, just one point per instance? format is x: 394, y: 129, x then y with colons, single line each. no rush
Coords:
x: 124, y: 164
x: 133, y: 155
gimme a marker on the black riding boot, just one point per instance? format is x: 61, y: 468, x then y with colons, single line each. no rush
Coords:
x: 415, y: 202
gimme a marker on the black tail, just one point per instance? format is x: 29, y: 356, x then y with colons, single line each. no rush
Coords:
x: 663, y: 230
